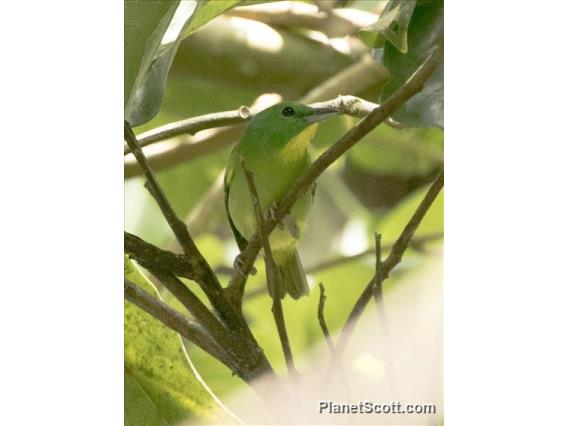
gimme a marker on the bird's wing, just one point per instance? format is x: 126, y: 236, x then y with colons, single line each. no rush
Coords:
x: 241, y: 242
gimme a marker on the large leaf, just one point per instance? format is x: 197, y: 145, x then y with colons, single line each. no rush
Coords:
x: 145, y: 23
x: 146, y: 94
x: 391, y: 26
x: 426, y: 109
x: 160, y: 384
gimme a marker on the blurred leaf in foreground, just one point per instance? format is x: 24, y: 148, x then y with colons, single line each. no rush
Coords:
x: 161, y: 386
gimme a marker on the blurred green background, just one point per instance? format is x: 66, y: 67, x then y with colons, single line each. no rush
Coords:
x: 230, y: 62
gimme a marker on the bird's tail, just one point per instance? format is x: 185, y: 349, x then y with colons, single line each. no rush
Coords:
x: 292, y: 276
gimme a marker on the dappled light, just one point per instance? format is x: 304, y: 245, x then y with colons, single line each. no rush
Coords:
x: 284, y: 212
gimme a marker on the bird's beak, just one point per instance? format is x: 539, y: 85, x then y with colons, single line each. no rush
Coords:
x: 320, y: 114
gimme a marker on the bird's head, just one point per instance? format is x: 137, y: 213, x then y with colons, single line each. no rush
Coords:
x: 285, y: 121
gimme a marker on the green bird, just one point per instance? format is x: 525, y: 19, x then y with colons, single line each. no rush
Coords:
x: 274, y: 149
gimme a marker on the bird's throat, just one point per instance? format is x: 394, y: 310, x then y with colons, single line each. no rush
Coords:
x: 297, y: 145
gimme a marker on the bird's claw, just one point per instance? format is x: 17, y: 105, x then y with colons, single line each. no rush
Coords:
x: 239, y: 264
x: 271, y: 215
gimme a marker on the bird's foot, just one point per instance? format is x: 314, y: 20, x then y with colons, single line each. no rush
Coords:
x: 271, y: 215
x: 239, y: 264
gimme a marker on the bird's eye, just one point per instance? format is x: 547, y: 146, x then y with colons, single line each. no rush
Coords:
x: 288, y: 111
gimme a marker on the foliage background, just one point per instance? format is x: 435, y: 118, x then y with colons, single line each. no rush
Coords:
x: 229, y: 62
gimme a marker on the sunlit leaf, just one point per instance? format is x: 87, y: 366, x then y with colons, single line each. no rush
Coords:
x: 145, y: 23
x: 160, y: 383
x: 146, y: 95
x: 207, y: 10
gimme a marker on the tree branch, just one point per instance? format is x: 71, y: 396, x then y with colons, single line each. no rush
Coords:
x: 338, y: 261
x: 194, y: 306
x: 178, y: 227
x: 412, y: 86
x: 321, y: 319
x: 390, y: 262
x: 272, y: 276
x: 414, y: 243
x: 357, y: 77
x: 204, y: 275
x: 171, y: 155
x: 417, y: 243
x: 155, y: 259
x: 350, y: 105
x: 379, y: 278
x: 171, y: 318
x: 192, y: 126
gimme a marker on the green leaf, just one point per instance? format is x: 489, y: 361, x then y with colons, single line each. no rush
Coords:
x: 391, y: 26
x: 161, y: 385
x: 145, y: 23
x: 146, y: 94
x: 207, y: 10
x: 425, y: 109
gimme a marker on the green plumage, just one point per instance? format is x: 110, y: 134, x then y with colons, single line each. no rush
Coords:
x: 274, y: 148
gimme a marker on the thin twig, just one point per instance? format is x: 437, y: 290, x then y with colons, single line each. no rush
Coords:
x: 205, y: 277
x: 379, y: 277
x: 384, y: 270
x: 383, y: 324
x: 416, y: 243
x: 208, y: 281
x: 355, y: 78
x: 210, y: 141
x: 395, y: 256
x: 192, y: 126
x: 195, y: 147
x: 412, y: 86
x: 171, y: 318
x: 272, y: 276
x: 344, y: 385
x: 337, y: 261
x: 321, y: 319
x: 350, y: 105
x: 176, y: 224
